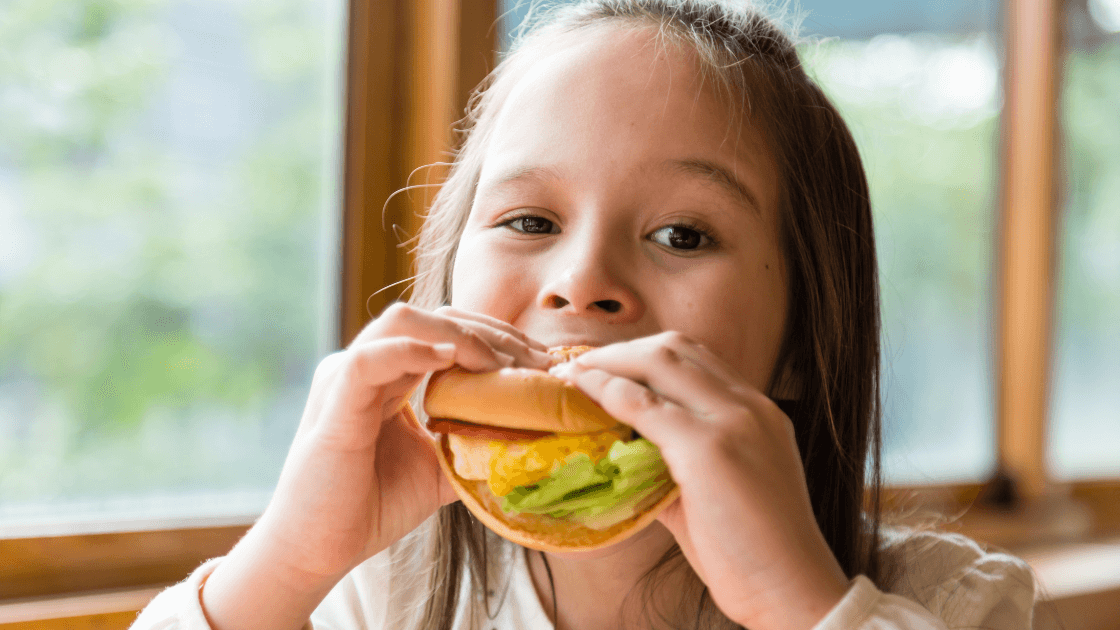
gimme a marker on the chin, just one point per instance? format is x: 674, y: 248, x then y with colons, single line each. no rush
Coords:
x: 654, y: 536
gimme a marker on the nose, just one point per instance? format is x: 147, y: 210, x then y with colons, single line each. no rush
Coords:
x: 590, y: 279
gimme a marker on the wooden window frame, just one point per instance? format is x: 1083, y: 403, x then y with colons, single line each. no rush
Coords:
x: 410, y: 66
x: 1022, y: 505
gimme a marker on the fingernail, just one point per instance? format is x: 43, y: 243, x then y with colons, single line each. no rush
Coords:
x: 444, y: 350
x: 503, y: 358
x: 533, y: 343
x: 541, y: 358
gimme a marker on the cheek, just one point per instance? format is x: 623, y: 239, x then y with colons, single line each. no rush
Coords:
x: 742, y: 319
x: 470, y: 293
x: 768, y: 317
x: 467, y: 285
x: 481, y: 281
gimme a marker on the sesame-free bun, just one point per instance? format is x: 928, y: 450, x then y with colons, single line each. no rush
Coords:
x: 514, y: 398
x: 521, y: 398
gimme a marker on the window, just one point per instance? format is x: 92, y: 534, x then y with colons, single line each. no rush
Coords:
x: 919, y: 85
x: 1086, y: 405
x: 167, y: 183
x: 164, y: 80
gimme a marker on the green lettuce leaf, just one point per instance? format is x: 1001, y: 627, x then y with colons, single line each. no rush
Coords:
x: 596, y: 495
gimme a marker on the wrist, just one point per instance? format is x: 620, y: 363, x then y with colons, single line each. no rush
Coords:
x: 255, y: 586
x: 796, y: 605
x: 301, y: 552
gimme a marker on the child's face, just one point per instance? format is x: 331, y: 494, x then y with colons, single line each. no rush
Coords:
x: 602, y: 148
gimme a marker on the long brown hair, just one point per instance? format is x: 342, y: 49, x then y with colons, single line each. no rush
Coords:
x: 830, y: 354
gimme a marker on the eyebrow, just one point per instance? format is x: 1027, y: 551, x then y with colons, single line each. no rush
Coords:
x: 707, y: 169
x: 718, y: 175
x: 539, y: 174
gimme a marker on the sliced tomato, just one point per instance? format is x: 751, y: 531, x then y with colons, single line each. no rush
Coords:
x: 467, y: 429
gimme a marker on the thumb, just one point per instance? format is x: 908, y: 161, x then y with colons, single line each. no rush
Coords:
x: 445, y: 493
x: 673, y: 519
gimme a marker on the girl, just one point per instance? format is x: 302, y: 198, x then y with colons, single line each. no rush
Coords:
x: 659, y: 178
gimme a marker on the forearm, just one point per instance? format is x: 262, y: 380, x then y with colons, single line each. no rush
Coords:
x: 255, y: 588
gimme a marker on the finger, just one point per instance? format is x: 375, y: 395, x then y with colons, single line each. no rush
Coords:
x: 672, y: 517
x: 408, y: 419
x: 367, y: 377
x: 663, y: 421
x: 503, y: 341
x: 715, y: 363
x: 472, y: 351
x: 383, y: 361
x: 324, y: 384
x: 494, y: 322
x: 408, y: 476
x: 415, y: 425
x: 321, y: 381
x: 444, y: 492
x: 669, y: 375
x: 646, y: 349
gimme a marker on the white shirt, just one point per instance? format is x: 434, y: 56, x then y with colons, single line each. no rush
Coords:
x: 941, y: 581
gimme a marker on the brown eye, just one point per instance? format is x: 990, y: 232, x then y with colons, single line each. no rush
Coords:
x: 680, y: 237
x: 532, y: 225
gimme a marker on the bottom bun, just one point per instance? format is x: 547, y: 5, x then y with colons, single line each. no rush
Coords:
x: 542, y: 532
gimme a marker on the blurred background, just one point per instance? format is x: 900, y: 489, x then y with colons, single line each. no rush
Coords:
x: 169, y: 240
x: 169, y: 173
x: 172, y: 235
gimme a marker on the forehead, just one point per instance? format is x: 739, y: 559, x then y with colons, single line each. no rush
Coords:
x: 615, y: 99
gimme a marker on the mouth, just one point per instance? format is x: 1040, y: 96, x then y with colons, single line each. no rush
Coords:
x: 554, y: 343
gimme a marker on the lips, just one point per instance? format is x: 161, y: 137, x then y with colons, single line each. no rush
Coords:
x: 557, y: 343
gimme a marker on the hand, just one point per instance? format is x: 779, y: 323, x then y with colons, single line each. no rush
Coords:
x: 744, y: 519
x: 358, y: 476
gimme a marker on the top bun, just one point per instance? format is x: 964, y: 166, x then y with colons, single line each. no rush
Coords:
x: 516, y: 398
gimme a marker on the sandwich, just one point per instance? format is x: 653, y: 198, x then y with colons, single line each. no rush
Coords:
x: 540, y: 463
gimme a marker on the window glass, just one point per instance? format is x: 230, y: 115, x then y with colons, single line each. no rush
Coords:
x: 918, y: 83
x: 1086, y: 402
x: 923, y: 105
x: 168, y: 187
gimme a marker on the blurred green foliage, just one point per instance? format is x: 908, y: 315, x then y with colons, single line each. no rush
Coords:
x: 164, y: 172
x: 924, y: 111
x: 162, y: 259
x: 931, y: 160
x: 1091, y: 222
x: 1085, y: 427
